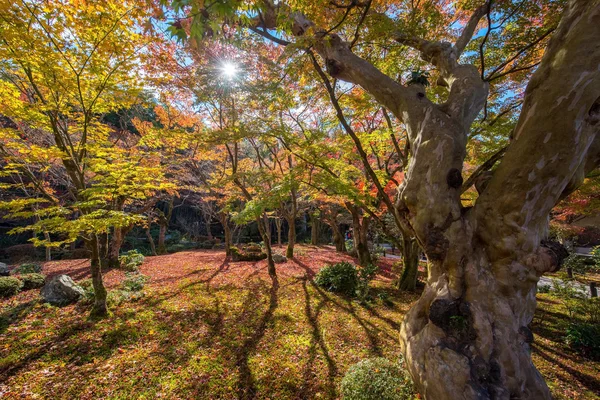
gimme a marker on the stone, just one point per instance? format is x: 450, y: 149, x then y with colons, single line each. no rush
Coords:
x: 278, y: 258
x: 61, y: 290
x: 4, y: 271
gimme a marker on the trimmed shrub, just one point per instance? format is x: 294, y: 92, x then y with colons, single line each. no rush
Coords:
x: 131, y: 260
x: 28, y: 268
x: 239, y: 255
x: 340, y: 278
x: 32, y: 281
x: 377, y: 379
x: 9, y: 286
x: 252, y: 248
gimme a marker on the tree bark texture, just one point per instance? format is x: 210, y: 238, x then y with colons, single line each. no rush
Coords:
x: 314, y: 230
x: 227, y: 232
x: 289, y: 252
x: 360, y: 228
x: 100, y: 308
x: 410, y: 260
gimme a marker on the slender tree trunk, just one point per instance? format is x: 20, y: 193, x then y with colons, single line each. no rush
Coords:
x: 162, y: 233
x: 338, y: 236
x: 48, y: 248
x: 360, y: 228
x: 410, y: 260
x: 278, y: 224
x: 289, y: 252
x: 227, y: 232
x: 114, y: 246
x: 151, y: 241
x: 314, y: 230
x: 100, y: 308
x: 207, y: 220
x: 264, y: 233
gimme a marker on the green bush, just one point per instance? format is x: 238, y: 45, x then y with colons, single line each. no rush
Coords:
x: 134, y: 282
x: 579, y: 264
x: 377, y: 379
x: 29, y: 268
x: 9, y: 286
x: 252, y: 248
x: 544, y: 289
x: 584, y: 338
x: 239, y: 255
x: 88, y: 290
x: 340, y: 278
x: 131, y: 260
x: 130, y: 289
x: 175, y: 248
x: 32, y: 281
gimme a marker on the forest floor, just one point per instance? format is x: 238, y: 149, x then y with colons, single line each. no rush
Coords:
x: 214, y: 329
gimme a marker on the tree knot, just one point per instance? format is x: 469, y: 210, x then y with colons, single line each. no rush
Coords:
x: 454, y: 178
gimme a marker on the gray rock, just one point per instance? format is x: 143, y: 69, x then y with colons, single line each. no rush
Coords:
x: 4, y: 271
x: 278, y: 258
x: 61, y: 290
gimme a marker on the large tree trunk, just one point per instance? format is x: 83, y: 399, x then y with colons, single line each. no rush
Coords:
x: 100, y: 308
x: 468, y: 336
x: 289, y: 252
x: 410, y: 260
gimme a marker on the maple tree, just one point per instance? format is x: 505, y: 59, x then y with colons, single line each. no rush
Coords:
x: 474, y: 252
x: 453, y: 128
x: 64, y: 65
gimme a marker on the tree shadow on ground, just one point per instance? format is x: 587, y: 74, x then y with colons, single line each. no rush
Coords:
x: 370, y: 329
x: 590, y: 382
x: 316, y: 340
x: 246, y: 384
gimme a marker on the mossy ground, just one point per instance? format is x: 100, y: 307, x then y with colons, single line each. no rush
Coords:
x: 214, y: 329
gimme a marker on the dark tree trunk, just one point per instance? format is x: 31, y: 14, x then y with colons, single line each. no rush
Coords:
x: 360, y: 228
x: 266, y: 237
x: 151, y: 241
x: 162, y: 233
x: 314, y: 230
x: 278, y: 225
x: 289, y: 252
x: 410, y: 260
x: 338, y: 238
x: 114, y: 246
x: 100, y: 308
x: 207, y: 220
x: 227, y: 232
x: 48, y: 248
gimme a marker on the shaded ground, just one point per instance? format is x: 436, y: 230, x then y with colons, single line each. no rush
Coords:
x: 212, y: 329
